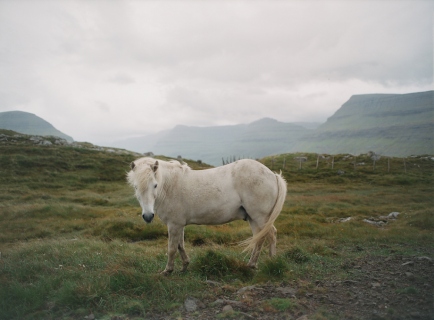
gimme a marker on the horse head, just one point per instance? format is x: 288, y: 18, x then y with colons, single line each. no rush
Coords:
x: 144, y: 178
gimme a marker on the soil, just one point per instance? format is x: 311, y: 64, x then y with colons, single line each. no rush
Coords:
x: 378, y: 287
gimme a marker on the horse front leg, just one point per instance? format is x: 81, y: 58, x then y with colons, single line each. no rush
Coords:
x: 184, y: 256
x: 176, y: 234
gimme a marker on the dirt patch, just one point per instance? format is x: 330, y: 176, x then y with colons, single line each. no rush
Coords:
x: 377, y: 287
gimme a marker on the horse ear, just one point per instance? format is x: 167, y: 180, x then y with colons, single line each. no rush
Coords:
x: 132, y: 165
x: 155, y: 166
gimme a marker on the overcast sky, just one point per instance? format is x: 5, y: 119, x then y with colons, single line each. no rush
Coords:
x: 106, y: 70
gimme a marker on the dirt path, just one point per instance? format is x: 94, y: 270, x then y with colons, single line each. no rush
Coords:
x: 379, y: 287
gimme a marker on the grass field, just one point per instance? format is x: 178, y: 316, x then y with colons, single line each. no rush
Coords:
x: 72, y: 241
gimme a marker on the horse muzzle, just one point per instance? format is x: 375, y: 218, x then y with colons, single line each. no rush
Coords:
x: 148, y: 217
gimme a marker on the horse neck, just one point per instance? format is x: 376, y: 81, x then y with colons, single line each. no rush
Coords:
x: 167, y: 175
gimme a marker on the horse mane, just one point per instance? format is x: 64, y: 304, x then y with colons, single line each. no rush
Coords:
x: 171, y: 163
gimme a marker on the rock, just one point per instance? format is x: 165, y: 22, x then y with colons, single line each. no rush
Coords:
x: 212, y: 283
x: 90, y: 317
x: 424, y: 258
x: 303, y: 317
x: 287, y: 291
x: 341, y: 172
x: 244, y: 289
x: 408, y: 263
x: 228, y: 308
x: 375, y: 284
x: 217, y: 302
x: 221, y: 301
x: 190, y: 304
x: 393, y: 215
x: 344, y: 219
x: 375, y: 223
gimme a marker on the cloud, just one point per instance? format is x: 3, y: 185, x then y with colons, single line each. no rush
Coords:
x: 122, y: 78
x: 129, y: 67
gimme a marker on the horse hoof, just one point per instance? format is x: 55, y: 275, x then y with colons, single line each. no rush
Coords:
x: 166, y: 272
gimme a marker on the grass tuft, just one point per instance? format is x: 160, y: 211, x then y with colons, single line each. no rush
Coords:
x: 215, y: 265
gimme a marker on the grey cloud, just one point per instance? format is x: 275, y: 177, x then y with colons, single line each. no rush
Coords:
x: 122, y: 78
x: 209, y: 62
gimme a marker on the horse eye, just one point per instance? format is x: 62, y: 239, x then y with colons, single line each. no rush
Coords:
x: 155, y: 186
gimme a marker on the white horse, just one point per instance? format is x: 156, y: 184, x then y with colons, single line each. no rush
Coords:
x: 245, y: 189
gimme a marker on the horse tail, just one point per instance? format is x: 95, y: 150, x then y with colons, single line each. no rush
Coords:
x: 267, y: 230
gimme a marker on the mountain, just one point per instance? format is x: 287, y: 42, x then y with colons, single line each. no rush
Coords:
x: 28, y: 123
x: 211, y: 144
x: 388, y: 124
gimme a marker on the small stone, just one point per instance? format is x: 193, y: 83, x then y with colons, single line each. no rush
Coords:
x: 212, y: 283
x: 393, y: 215
x: 190, y: 305
x: 375, y: 284
x: 408, y: 263
x: 287, y: 291
x: 424, y: 258
x: 228, y: 308
x: 244, y: 289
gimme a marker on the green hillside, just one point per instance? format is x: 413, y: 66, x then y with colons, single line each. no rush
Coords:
x: 28, y: 123
x: 388, y: 124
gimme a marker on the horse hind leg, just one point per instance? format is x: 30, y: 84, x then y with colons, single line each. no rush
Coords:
x: 257, y: 249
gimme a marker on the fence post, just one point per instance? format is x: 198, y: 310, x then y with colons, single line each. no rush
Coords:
x: 317, y: 161
x: 388, y: 165
x: 333, y: 162
x: 284, y: 162
x: 405, y: 166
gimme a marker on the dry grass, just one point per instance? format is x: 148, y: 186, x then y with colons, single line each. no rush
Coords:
x: 72, y: 240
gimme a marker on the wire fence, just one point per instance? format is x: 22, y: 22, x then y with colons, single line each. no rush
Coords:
x: 369, y: 162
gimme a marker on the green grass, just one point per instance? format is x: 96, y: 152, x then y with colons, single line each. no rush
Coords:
x: 72, y: 239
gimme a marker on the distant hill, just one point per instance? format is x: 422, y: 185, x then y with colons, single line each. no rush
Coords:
x: 388, y: 124
x: 28, y: 123
x: 211, y: 144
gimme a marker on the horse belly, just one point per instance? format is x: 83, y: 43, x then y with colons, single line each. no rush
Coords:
x: 216, y: 216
